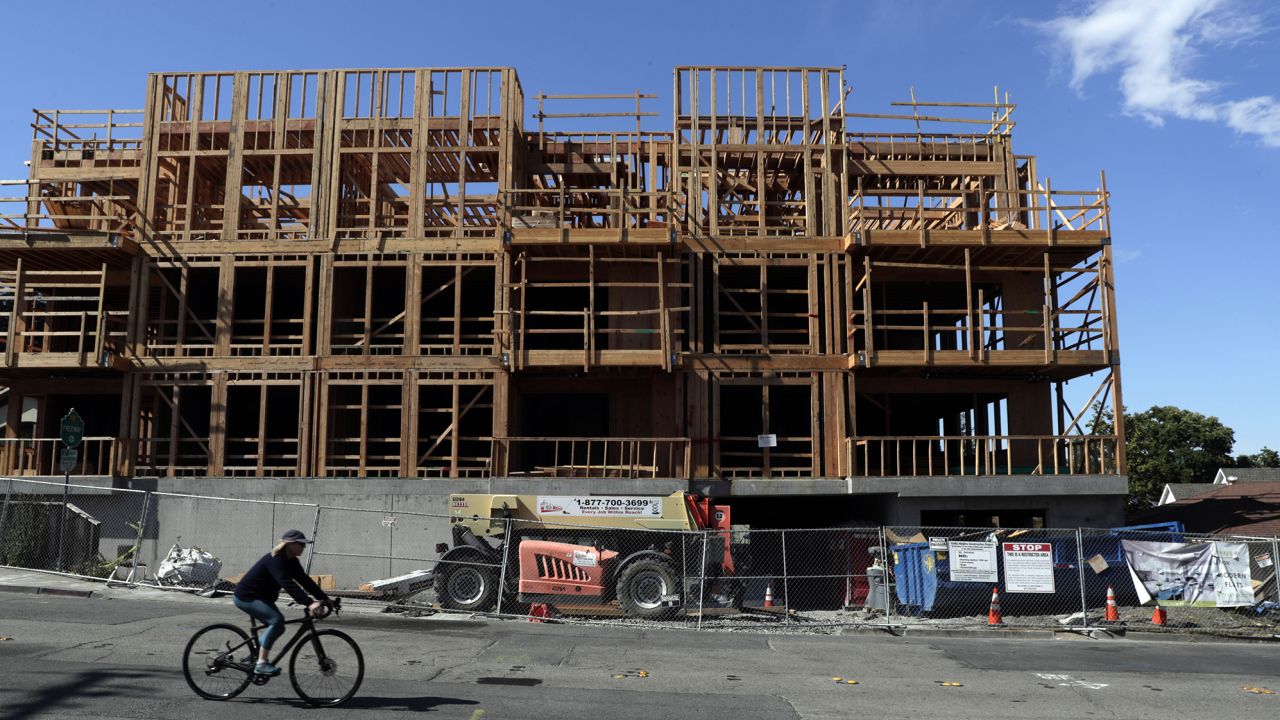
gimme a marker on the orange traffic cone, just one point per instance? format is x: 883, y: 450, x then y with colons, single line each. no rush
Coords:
x: 993, y: 614
x: 1159, y: 617
x: 1113, y: 612
x: 539, y: 612
x: 768, y: 595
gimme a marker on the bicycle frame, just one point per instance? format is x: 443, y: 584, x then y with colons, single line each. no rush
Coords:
x: 306, y: 625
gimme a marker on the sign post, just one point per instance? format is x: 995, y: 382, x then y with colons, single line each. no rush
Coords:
x: 72, y: 433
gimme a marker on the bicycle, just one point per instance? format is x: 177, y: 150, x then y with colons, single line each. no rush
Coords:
x: 325, y: 669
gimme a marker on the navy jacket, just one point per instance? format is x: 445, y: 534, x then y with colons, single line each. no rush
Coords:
x: 273, y: 572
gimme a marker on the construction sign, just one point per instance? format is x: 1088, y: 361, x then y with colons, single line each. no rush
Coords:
x: 1028, y: 567
x: 973, y: 561
x: 599, y: 506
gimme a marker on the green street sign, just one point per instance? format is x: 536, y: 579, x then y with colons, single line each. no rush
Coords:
x: 67, y: 459
x: 72, y: 430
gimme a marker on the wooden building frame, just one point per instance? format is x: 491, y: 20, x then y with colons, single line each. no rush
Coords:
x: 373, y: 272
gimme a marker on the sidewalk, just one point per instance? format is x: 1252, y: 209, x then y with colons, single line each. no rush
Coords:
x: 43, y: 583
x: 14, y: 580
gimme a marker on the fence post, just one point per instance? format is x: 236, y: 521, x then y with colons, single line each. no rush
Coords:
x: 884, y: 578
x: 4, y: 513
x: 62, y: 518
x: 1084, y: 605
x: 702, y: 579
x: 1275, y: 560
x: 315, y: 537
x: 137, y: 545
x: 786, y: 588
x: 502, y: 569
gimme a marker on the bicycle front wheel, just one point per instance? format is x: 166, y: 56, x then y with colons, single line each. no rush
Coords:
x: 215, y: 660
x: 326, y: 668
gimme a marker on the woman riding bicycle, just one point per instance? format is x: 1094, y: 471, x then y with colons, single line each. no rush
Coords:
x: 258, y: 590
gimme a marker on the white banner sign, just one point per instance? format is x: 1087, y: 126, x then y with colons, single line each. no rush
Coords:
x: 601, y: 506
x: 1028, y: 567
x: 973, y: 561
x: 1205, y: 574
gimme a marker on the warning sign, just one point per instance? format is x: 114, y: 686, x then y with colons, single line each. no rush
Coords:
x: 973, y: 561
x: 599, y: 506
x: 1028, y: 567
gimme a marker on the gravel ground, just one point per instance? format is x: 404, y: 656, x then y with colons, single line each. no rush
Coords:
x: 776, y: 620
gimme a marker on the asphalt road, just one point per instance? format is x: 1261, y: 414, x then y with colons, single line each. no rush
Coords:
x: 120, y: 658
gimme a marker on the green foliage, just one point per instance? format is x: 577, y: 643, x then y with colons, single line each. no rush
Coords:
x: 1167, y: 444
x: 21, y: 545
x: 1264, y: 458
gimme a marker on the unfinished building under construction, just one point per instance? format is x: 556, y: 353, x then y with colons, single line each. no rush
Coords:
x: 409, y: 281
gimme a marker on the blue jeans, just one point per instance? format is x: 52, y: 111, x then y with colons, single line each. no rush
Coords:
x: 266, y: 613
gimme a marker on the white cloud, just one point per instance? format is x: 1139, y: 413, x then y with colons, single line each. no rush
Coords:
x: 1153, y: 43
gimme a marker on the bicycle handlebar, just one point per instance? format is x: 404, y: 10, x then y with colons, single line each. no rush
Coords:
x: 332, y: 605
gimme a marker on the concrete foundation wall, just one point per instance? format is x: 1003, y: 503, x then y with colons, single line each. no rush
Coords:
x: 371, y: 528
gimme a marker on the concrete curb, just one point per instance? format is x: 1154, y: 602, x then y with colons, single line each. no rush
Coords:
x: 1117, y: 633
x: 36, y: 590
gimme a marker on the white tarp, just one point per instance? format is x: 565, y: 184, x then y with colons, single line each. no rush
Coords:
x: 1206, y: 574
x: 189, y: 567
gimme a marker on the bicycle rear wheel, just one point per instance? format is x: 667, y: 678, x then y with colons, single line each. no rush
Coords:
x: 326, y: 668
x: 210, y: 663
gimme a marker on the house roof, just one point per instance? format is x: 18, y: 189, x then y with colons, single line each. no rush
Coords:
x: 1251, y: 508
x: 1182, y: 491
x: 1248, y: 475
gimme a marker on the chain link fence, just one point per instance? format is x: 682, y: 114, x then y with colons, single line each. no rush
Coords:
x: 733, y: 579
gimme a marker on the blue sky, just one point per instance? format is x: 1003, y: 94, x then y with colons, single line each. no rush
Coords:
x: 1175, y: 99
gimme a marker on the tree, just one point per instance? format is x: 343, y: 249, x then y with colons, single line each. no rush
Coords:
x: 1264, y: 458
x: 1167, y: 444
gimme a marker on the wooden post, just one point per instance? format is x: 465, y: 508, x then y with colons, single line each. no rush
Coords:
x: 15, y: 316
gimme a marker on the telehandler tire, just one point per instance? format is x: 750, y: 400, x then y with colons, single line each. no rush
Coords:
x: 642, y: 586
x: 462, y: 585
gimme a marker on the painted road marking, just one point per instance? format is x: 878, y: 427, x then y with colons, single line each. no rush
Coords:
x: 1068, y: 681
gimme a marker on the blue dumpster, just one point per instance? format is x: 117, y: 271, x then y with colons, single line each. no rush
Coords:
x: 914, y: 568
x: 923, y: 586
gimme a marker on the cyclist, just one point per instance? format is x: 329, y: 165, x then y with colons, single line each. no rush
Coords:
x: 257, y: 591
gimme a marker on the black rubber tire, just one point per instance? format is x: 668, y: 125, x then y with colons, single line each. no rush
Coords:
x: 249, y: 649
x: 461, y: 585
x: 641, y: 586
x: 328, y: 637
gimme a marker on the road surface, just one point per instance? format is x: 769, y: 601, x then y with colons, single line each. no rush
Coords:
x: 119, y: 657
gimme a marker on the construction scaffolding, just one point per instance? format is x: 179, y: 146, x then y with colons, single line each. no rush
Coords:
x: 384, y: 272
